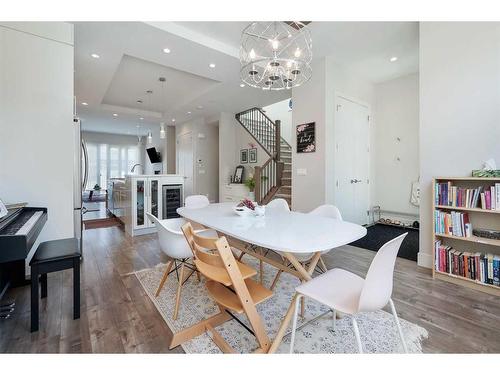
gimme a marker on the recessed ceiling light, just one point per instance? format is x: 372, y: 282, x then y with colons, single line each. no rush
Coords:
x: 166, y: 50
x: 173, y: 120
x: 85, y: 103
x: 212, y: 65
x: 189, y: 112
x: 115, y: 114
x: 95, y: 55
x: 242, y: 85
x: 200, y: 107
x: 393, y: 59
x: 141, y: 118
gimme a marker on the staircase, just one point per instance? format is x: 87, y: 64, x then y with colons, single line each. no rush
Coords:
x: 274, y: 178
x: 285, y: 190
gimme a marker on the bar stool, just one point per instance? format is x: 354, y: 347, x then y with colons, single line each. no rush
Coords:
x: 52, y: 256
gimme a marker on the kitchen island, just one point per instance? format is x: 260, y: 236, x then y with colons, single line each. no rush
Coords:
x: 135, y: 195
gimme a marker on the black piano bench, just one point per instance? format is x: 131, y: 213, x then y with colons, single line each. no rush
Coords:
x: 52, y: 256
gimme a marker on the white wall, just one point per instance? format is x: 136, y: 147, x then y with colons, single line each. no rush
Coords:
x: 233, y: 138
x: 161, y: 146
x: 171, y: 159
x: 228, y: 149
x: 243, y: 140
x: 205, y: 156
x: 396, y: 114
x: 459, y: 107
x: 36, y: 121
x: 315, y: 102
x: 309, y: 105
x: 112, y: 139
x: 281, y: 111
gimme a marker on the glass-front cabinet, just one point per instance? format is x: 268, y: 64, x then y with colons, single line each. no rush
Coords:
x: 155, y: 198
x: 148, y: 198
x: 140, y: 203
x: 157, y: 195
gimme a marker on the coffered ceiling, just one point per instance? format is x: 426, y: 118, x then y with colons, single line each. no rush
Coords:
x: 132, y: 58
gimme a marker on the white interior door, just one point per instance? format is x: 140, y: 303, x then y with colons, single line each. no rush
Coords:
x: 352, y: 160
x: 185, y: 161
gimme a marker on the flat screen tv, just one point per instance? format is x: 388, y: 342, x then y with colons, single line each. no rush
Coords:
x: 154, y: 156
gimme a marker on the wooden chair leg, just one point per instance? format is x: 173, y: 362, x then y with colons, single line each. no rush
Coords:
x: 284, y: 325
x: 179, y: 287
x: 164, y: 278
x: 322, y: 265
x: 261, y: 269
x: 276, y: 278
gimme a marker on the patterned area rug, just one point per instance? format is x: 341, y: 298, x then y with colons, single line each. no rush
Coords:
x: 378, y: 330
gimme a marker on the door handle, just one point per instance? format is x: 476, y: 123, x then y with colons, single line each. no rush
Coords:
x: 355, y: 181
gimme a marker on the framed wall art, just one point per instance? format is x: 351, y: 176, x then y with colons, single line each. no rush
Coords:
x: 306, y: 137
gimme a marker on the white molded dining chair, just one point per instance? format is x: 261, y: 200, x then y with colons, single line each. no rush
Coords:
x: 278, y: 205
x: 196, y: 201
x: 175, y: 246
x: 326, y: 210
x: 348, y: 293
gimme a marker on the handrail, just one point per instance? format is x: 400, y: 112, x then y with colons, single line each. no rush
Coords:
x: 258, y: 141
x: 268, y: 135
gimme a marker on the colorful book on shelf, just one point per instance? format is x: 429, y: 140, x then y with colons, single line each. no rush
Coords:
x: 452, y: 223
x: 496, y: 270
x: 497, y: 196
x: 486, y: 198
x: 483, y: 268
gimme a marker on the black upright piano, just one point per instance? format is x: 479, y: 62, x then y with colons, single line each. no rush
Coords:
x: 19, y: 230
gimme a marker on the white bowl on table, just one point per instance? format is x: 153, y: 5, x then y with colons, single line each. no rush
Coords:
x: 242, y: 211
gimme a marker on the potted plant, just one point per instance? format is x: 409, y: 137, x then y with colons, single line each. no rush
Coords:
x: 250, y: 184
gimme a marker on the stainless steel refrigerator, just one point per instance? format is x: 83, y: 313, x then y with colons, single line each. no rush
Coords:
x: 79, y: 180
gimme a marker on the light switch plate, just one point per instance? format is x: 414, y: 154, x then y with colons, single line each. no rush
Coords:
x: 201, y: 171
x: 301, y: 172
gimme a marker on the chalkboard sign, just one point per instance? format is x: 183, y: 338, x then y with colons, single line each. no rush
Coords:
x: 306, y: 137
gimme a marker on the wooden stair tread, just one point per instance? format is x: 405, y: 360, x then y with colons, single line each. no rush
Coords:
x: 230, y: 300
x: 281, y: 195
x: 220, y: 275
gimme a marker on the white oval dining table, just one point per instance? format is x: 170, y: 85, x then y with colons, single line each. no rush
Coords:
x: 290, y: 233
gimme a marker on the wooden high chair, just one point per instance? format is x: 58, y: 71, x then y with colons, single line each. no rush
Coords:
x: 229, y: 283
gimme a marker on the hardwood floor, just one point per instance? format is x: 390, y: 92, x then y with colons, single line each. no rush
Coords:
x: 118, y: 317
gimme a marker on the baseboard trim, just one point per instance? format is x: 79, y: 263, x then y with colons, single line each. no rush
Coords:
x: 424, y: 259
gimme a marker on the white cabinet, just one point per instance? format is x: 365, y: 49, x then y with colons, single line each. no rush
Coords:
x: 147, y: 195
x: 234, y: 193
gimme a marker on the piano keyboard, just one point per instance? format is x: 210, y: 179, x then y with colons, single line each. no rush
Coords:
x: 29, y: 224
x: 23, y: 223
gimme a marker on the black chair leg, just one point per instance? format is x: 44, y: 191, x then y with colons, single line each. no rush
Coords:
x: 34, y: 299
x: 43, y: 282
x: 76, y: 288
